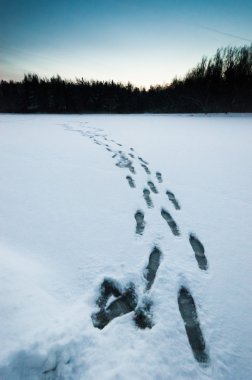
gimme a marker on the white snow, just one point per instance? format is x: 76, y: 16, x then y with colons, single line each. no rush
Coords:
x: 67, y: 222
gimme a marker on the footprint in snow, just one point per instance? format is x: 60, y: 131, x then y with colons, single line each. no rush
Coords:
x: 173, y: 199
x: 140, y: 223
x: 146, y: 195
x: 147, y: 170
x: 194, y: 333
x: 152, y: 267
x: 143, y: 161
x: 152, y: 187
x: 159, y: 177
x: 126, y: 298
x: 130, y: 181
x: 125, y: 302
x: 170, y: 221
x: 199, y: 252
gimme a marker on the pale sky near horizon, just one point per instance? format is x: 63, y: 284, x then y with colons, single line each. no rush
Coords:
x: 144, y: 42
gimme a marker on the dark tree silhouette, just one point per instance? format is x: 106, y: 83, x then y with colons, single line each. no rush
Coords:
x: 222, y: 83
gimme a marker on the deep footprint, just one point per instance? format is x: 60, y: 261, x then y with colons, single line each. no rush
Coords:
x: 143, y: 315
x: 131, y: 155
x: 189, y: 315
x: 199, y: 251
x: 146, y: 168
x: 130, y: 181
x: 152, y: 267
x: 173, y: 199
x: 170, y: 221
x: 159, y: 177
x: 124, y: 304
x: 140, y: 223
x: 152, y: 187
x: 146, y: 194
x: 108, y: 288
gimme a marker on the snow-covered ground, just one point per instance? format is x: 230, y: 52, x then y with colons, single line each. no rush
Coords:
x: 67, y: 222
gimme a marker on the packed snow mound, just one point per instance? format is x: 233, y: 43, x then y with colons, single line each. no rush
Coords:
x: 125, y: 247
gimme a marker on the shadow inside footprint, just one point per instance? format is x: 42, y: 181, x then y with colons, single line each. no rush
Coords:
x: 159, y: 177
x: 108, y: 288
x: 173, y: 199
x: 130, y: 181
x: 189, y: 315
x: 140, y: 223
x: 131, y: 169
x: 146, y: 194
x: 143, y: 314
x: 124, y: 162
x: 171, y: 222
x: 152, y: 267
x: 125, y: 299
x: 143, y: 161
x: 199, y: 251
x: 143, y: 317
x: 146, y: 168
x: 125, y: 302
x: 152, y: 187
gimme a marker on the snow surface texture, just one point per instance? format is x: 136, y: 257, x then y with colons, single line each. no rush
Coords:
x: 125, y: 247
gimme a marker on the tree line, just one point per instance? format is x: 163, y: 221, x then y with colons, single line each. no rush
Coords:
x: 222, y: 83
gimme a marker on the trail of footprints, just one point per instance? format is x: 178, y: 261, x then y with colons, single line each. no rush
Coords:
x: 126, y: 299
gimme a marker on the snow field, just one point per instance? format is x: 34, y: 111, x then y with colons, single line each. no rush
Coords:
x: 67, y: 222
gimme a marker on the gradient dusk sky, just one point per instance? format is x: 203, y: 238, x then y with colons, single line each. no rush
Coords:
x: 142, y: 41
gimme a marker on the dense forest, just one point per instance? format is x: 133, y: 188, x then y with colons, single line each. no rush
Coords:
x: 219, y: 84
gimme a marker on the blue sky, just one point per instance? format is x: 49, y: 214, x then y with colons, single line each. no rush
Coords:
x: 145, y: 42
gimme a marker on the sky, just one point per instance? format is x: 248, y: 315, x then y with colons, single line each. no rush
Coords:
x: 146, y: 42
